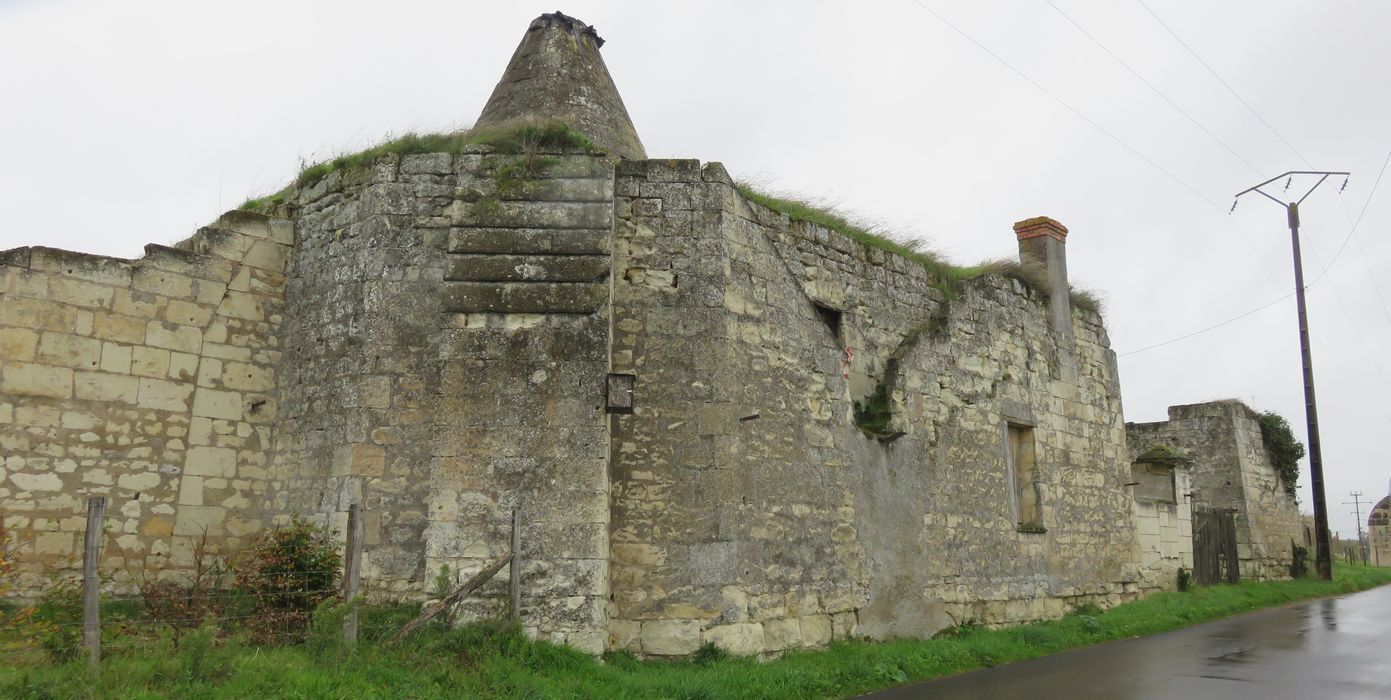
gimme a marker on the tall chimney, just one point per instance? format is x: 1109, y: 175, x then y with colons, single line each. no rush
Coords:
x: 1042, y: 254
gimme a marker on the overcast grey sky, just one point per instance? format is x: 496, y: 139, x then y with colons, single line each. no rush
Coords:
x: 134, y: 122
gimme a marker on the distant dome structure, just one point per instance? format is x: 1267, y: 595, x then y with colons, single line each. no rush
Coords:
x: 557, y: 75
x: 1379, y: 532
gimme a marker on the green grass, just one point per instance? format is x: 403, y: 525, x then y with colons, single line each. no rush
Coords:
x: 521, y: 140
x: 498, y: 662
x: 942, y: 274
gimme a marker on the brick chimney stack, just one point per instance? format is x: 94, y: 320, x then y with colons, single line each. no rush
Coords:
x: 1042, y: 253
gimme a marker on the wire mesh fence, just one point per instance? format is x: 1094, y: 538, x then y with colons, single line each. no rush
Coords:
x: 294, y: 584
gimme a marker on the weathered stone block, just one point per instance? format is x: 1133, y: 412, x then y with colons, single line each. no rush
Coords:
x: 267, y: 255
x: 18, y: 344
x: 26, y: 379
x: 670, y: 637
x: 99, y: 386
x: 816, y: 630
x: 427, y: 164
x: 211, y: 462
x: 79, y: 293
x: 115, y: 358
x: 197, y: 520
x: 174, y: 337
x: 782, y: 634
x: 547, y: 268
x: 187, y: 313
x: 741, y: 638
x: 191, y: 490
x: 211, y: 403
x: 53, y: 543
x: 122, y: 329
x: 149, y: 362
x: 36, y: 482
x: 536, y: 297
x: 69, y: 351
x: 164, y: 396
x: 241, y: 376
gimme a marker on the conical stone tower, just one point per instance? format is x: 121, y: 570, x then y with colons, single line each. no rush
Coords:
x: 557, y: 74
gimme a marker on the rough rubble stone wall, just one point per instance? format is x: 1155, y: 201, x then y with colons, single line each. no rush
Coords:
x: 148, y: 381
x: 995, y: 361
x: 360, y: 374
x: 435, y: 403
x: 751, y: 512
x: 1231, y: 470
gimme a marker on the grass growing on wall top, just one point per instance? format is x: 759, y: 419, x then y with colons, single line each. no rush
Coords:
x: 496, y: 661
x: 942, y: 274
x: 523, y: 139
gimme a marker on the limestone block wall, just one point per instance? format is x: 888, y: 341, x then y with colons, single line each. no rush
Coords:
x: 748, y: 508
x: 1231, y: 470
x: 446, y: 348
x: 148, y: 381
x: 1165, y: 535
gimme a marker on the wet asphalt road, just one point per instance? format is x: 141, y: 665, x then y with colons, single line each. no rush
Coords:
x: 1322, y: 649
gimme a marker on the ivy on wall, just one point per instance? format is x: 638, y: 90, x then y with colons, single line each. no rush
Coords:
x: 1285, y: 451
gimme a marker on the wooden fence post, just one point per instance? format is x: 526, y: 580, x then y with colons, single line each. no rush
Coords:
x: 91, y: 594
x: 516, y: 570
x: 352, y: 574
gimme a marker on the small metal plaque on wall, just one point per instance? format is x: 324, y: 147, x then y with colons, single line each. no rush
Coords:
x: 620, y: 392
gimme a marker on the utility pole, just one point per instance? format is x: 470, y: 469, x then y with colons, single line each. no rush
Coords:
x: 1357, y: 510
x: 1311, y: 413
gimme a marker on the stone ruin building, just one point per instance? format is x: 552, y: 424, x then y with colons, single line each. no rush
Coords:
x: 659, y: 372
x: 1379, y: 532
x: 1216, y: 452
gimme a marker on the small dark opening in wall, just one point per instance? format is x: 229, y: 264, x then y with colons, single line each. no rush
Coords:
x: 830, y: 317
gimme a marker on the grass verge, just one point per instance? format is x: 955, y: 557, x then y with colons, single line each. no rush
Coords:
x: 519, y: 140
x: 496, y: 661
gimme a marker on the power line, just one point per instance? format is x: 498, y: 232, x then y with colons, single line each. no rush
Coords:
x: 1067, y: 106
x: 1215, y: 326
x: 1137, y: 153
x: 1356, y: 223
x: 1338, y: 296
x: 1133, y: 151
x: 1151, y: 86
x: 1200, y: 60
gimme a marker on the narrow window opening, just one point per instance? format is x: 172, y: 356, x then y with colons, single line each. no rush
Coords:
x: 830, y: 317
x: 1023, y: 468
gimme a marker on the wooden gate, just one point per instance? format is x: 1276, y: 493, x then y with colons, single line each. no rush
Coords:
x: 1214, y: 546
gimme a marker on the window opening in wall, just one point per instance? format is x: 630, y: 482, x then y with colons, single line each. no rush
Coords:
x: 830, y: 317
x: 1023, y: 468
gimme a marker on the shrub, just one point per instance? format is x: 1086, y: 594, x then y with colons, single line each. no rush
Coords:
x: 1282, y: 447
x: 183, y: 606
x: 1299, y: 561
x: 874, y: 414
x: 1185, y: 579
x: 709, y: 653
x: 57, y: 624
x: 287, y: 573
x: 325, y: 639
